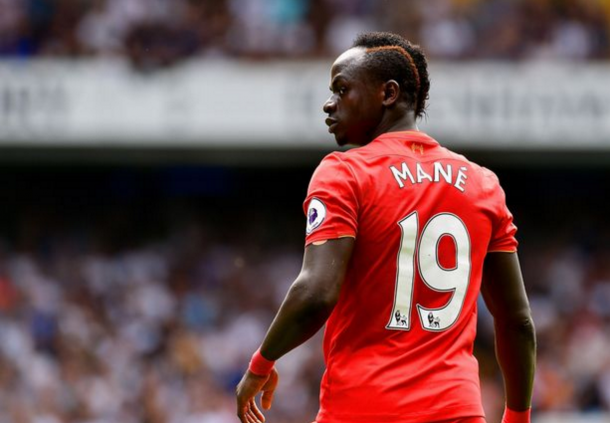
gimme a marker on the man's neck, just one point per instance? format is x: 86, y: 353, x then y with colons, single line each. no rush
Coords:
x: 405, y: 123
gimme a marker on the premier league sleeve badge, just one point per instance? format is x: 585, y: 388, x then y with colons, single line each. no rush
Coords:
x: 316, y: 213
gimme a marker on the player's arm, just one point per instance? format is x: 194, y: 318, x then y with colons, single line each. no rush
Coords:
x: 307, y: 306
x: 504, y: 294
x: 311, y: 298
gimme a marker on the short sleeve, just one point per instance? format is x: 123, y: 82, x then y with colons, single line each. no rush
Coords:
x: 504, y: 230
x: 331, y: 206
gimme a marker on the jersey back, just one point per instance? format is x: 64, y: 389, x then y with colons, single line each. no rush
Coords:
x: 399, y: 344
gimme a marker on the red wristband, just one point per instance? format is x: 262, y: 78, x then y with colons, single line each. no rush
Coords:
x: 511, y: 416
x: 259, y: 365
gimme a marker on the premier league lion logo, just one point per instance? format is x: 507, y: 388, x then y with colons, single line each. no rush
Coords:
x: 435, y: 322
x: 316, y: 212
x: 401, y: 320
x: 313, y: 215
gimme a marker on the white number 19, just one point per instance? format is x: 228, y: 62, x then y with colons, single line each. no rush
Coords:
x: 435, y: 276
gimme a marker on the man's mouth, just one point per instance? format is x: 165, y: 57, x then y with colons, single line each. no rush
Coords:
x: 332, y: 123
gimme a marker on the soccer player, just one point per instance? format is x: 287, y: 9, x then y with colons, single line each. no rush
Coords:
x: 402, y: 235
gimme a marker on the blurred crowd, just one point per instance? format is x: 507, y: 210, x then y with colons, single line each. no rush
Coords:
x: 155, y: 33
x: 161, y: 332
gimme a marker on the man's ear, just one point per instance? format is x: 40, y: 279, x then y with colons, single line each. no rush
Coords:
x: 391, y: 93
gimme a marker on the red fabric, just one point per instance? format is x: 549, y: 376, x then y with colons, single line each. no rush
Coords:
x: 511, y: 416
x: 378, y: 369
x: 465, y: 420
x: 259, y: 365
x: 459, y: 420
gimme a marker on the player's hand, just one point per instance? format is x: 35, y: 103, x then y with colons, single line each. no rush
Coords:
x: 247, y: 389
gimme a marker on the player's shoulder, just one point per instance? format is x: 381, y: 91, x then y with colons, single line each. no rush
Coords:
x: 332, y: 160
x: 482, y: 171
x: 341, y: 160
x: 333, y: 165
x: 334, y: 157
x: 487, y: 180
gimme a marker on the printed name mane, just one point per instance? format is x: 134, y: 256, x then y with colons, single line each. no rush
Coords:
x: 441, y: 172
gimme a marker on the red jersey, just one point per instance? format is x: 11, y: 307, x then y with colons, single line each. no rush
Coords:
x: 398, y: 345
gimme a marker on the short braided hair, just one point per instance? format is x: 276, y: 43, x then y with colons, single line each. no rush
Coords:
x: 390, y: 56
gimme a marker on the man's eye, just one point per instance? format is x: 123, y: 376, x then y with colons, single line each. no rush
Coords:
x: 342, y: 90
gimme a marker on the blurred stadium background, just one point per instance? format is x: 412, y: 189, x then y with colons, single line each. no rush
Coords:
x: 154, y: 155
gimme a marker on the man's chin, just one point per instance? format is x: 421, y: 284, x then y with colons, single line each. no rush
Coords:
x: 341, y: 140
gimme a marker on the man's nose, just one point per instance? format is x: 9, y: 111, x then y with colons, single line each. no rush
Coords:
x: 329, y: 105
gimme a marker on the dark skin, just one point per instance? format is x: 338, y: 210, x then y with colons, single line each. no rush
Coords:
x: 506, y: 299
x: 359, y: 110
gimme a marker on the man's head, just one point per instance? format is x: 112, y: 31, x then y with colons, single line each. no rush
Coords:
x: 380, y: 82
